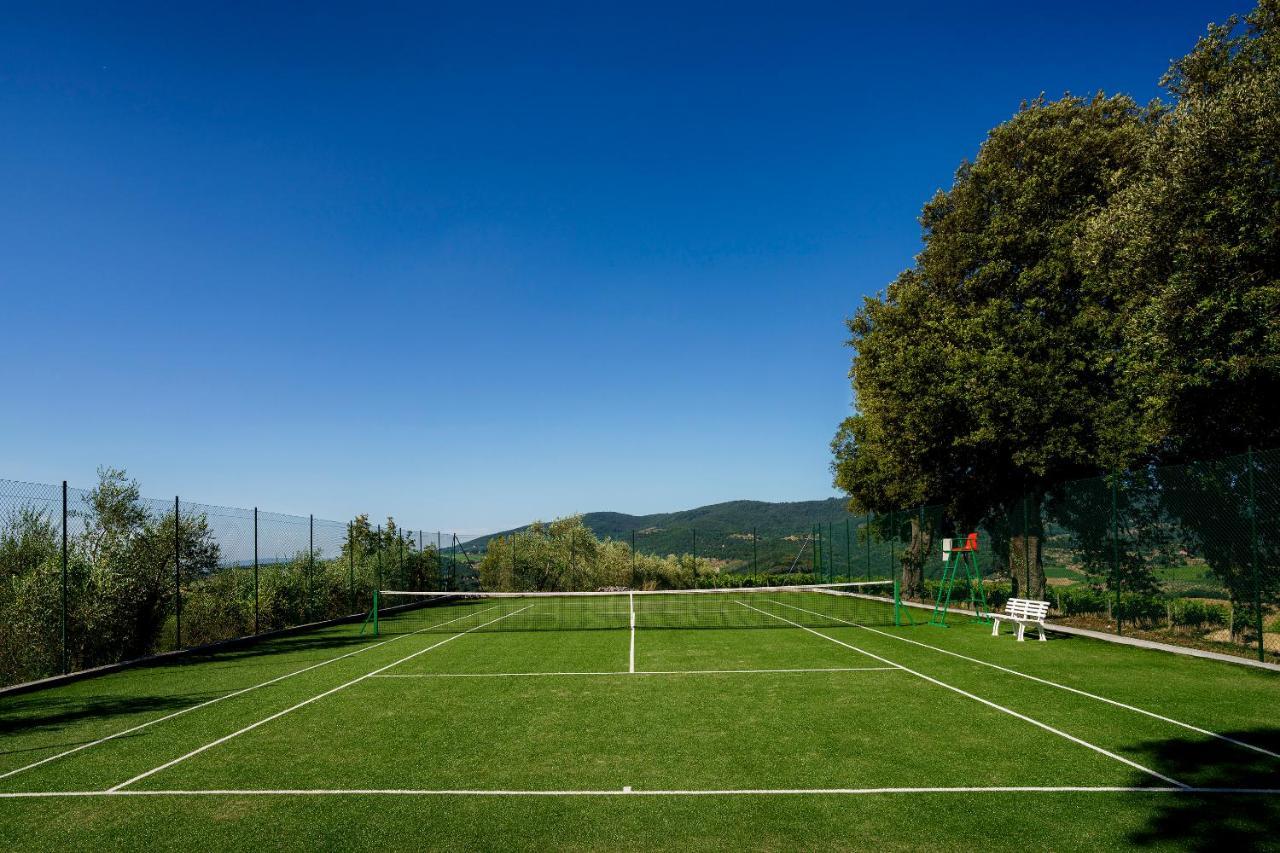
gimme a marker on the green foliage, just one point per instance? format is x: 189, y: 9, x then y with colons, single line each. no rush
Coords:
x: 567, y: 556
x: 1191, y: 613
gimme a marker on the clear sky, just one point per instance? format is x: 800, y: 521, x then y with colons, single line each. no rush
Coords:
x: 471, y: 265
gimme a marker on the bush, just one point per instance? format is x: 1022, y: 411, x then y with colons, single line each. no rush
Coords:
x: 1190, y: 613
x: 1081, y: 600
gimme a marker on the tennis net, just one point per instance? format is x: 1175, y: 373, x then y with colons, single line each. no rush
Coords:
x: 816, y: 605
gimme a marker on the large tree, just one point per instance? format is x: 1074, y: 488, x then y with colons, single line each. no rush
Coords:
x: 1198, y: 233
x: 987, y: 372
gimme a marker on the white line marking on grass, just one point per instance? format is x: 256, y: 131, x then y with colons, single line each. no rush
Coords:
x: 213, y: 701
x: 977, y: 698
x: 306, y: 702
x: 1047, y: 682
x: 632, y: 599
x: 633, y: 672
x: 725, y: 792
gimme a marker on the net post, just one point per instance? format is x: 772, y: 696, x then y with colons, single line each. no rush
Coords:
x: 897, y: 604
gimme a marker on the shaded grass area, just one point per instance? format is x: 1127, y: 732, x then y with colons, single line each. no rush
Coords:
x: 911, y: 719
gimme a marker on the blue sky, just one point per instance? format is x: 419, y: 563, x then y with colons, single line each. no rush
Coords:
x: 475, y: 264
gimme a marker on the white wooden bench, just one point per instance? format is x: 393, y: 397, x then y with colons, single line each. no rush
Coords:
x: 1024, y: 612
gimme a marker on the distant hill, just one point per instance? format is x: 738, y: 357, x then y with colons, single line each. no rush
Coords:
x: 723, y: 531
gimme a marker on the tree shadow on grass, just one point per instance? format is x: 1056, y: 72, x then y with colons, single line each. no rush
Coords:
x: 40, y: 711
x: 1215, y: 821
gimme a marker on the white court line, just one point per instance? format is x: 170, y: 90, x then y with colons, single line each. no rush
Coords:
x: 630, y: 792
x: 206, y: 704
x: 977, y: 698
x: 306, y: 702
x: 632, y: 599
x: 1045, y: 681
x: 634, y: 672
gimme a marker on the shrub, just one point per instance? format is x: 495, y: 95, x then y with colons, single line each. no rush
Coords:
x: 1190, y: 613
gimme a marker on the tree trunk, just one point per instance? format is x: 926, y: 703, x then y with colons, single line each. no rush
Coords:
x: 913, y: 559
x: 1026, y: 549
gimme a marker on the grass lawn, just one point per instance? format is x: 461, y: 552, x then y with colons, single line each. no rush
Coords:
x: 804, y: 735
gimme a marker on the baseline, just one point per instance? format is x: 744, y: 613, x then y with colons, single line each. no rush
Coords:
x: 629, y: 791
x: 635, y: 672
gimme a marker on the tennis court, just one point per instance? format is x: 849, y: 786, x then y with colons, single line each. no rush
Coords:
x: 744, y: 718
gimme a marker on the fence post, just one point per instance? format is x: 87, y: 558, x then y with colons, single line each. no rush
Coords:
x: 311, y: 563
x: 351, y: 566
x: 439, y: 561
x: 866, y: 531
x: 177, y: 579
x: 377, y: 577
x: 66, y: 657
x: 257, y: 628
x: 1115, y: 548
x: 1253, y: 548
x: 848, y: 553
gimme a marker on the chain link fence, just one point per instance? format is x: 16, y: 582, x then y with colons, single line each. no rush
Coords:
x: 94, y: 577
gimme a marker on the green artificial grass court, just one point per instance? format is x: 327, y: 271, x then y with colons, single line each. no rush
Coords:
x: 796, y: 736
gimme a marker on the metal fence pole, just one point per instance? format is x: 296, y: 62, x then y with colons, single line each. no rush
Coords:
x: 257, y: 627
x: 377, y: 577
x: 351, y: 566
x: 1253, y: 547
x: 311, y: 563
x: 866, y: 531
x: 177, y: 579
x: 1115, y: 547
x: 66, y: 657
x: 848, y: 553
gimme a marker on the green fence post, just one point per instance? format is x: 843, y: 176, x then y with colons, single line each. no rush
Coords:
x: 1253, y: 548
x: 1115, y: 547
x: 866, y: 532
x: 177, y: 580
x: 257, y: 628
x: 377, y: 576
x: 848, y: 553
x: 66, y: 657
x: 311, y: 564
x: 351, y: 567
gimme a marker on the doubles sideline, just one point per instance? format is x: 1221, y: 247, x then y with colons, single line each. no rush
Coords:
x: 306, y: 702
x: 214, y: 701
x: 1108, y: 753
x: 1044, y: 681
